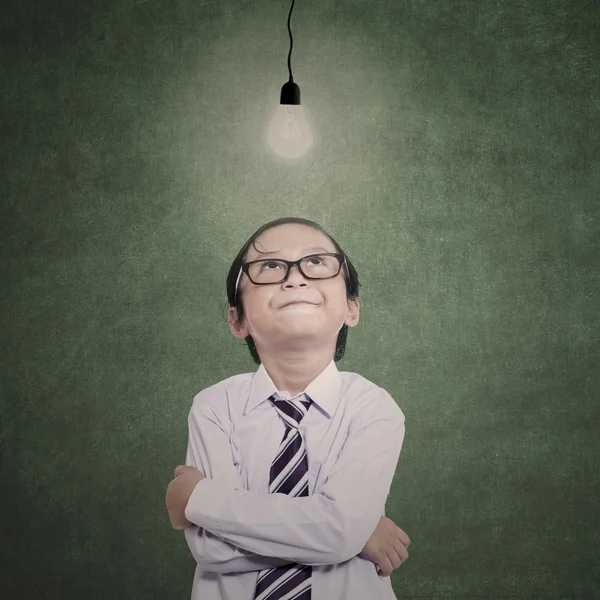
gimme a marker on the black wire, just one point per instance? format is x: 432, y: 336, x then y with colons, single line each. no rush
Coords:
x: 291, y: 41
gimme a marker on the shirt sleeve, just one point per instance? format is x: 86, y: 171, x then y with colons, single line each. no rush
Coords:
x: 329, y: 527
x: 209, y: 450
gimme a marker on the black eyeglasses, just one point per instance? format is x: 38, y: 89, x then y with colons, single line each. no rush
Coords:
x: 313, y: 266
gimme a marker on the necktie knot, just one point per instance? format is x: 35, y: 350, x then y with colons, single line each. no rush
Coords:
x: 291, y: 411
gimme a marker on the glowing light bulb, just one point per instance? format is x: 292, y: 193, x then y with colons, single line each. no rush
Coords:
x: 290, y: 135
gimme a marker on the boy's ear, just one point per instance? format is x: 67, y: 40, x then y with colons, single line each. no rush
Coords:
x: 237, y: 329
x: 353, y: 313
x: 232, y: 315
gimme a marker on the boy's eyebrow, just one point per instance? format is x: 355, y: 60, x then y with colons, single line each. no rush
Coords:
x: 305, y: 250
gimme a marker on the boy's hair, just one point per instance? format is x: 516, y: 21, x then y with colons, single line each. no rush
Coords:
x: 350, y: 277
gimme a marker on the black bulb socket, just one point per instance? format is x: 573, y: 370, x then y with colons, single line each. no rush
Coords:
x: 290, y: 94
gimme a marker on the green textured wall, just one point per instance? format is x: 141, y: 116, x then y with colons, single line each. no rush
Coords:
x: 456, y: 161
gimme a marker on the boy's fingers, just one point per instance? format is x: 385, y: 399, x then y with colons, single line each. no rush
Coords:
x: 385, y: 567
x: 403, y: 537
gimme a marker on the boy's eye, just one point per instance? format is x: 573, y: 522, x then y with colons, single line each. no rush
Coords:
x: 264, y: 265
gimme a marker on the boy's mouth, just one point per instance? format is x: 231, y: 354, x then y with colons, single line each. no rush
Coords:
x: 298, y: 300
x: 298, y: 303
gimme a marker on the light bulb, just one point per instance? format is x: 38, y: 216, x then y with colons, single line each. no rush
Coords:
x: 290, y: 135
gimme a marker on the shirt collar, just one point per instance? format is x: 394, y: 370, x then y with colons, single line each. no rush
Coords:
x: 324, y: 390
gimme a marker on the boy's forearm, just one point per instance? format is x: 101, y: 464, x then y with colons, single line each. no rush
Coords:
x: 307, y: 530
x: 215, y: 554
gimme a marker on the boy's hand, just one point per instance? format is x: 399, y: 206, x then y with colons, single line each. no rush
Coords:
x: 179, y: 492
x: 387, y: 547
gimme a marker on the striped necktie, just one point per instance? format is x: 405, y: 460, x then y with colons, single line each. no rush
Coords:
x: 289, y: 475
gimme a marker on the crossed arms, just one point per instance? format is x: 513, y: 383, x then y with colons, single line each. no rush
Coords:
x: 236, y: 530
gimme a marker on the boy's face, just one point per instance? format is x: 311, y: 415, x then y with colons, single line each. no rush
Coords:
x: 274, y: 326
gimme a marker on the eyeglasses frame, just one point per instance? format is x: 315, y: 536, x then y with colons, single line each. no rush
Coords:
x: 290, y: 263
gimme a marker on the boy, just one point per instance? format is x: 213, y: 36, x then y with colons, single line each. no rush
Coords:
x: 288, y: 468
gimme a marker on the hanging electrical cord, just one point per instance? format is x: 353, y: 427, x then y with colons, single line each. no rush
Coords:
x: 291, y: 40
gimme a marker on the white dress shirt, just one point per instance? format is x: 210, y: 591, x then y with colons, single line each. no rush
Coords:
x: 353, y: 432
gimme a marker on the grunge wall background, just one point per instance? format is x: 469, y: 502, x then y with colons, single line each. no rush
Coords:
x: 456, y: 161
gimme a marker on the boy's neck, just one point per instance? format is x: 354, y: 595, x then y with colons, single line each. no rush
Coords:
x: 294, y: 374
